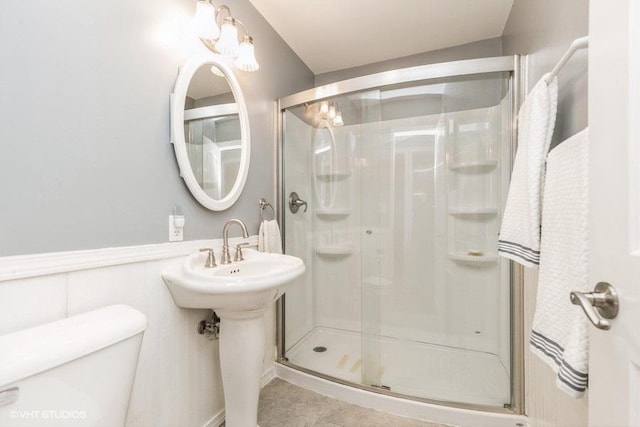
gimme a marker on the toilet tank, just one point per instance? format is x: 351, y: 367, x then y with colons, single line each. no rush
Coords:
x: 73, y: 372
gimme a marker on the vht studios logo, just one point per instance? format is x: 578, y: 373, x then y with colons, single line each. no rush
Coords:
x: 49, y: 415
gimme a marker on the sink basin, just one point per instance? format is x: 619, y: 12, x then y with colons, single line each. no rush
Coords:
x: 239, y: 293
x: 249, y: 285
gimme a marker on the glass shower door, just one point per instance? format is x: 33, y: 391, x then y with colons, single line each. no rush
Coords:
x: 374, y: 173
x: 434, y: 291
x: 403, y: 290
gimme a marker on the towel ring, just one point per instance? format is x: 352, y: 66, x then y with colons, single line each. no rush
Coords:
x: 264, y: 204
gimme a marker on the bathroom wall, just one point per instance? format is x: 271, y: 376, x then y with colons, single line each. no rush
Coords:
x: 480, y: 49
x: 85, y: 159
x: 543, y: 30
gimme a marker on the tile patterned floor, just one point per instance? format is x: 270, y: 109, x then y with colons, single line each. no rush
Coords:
x: 285, y: 405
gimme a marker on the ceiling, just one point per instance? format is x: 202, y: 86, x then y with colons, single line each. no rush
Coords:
x: 331, y: 35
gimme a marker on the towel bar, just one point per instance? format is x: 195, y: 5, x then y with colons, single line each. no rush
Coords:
x: 264, y: 204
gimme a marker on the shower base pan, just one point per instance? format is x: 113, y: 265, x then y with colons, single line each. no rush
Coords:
x: 407, y: 367
x: 434, y: 413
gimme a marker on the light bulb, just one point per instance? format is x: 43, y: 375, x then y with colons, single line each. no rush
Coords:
x: 204, y: 21
x: 324, y: 107
x: 332, y: 111
x: 228, y: 45
x: 337, y: 121
x: 246, y: 60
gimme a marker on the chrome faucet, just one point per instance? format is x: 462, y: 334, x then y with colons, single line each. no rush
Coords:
x: 226, y: 256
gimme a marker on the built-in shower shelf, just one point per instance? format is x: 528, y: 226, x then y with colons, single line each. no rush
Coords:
x: 334, y: 250
x: 333, y: 213
x: 333, y: 176
x: 476, y: 259
x: 488, y: 211
x: 480, y: 166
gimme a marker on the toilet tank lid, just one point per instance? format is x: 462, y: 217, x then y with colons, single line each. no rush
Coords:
x: 31, y: 351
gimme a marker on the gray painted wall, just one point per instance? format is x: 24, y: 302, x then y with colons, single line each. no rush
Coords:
x: 543, y: 30
x: 85, y: 159
x: 480, y: 49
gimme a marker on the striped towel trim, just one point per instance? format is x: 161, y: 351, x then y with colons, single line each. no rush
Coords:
x: 552, y: 353
x: 518, y: 251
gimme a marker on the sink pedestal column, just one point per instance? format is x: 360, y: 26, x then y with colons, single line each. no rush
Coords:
x: 242, y: 339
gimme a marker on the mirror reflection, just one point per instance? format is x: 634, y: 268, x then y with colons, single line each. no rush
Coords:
x: 212, y: 131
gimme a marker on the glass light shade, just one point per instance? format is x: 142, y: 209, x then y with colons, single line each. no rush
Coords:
x: 324, y: 107
x: 246, y: 60
x: 204, y: 21
x: 337, y: 121
x: 332, y: 111
x: 228, y: 44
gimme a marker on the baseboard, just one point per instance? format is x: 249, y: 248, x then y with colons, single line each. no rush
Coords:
x: 217, y: 420
x: 267, y: 376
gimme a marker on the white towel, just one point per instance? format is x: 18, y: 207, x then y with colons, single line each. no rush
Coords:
x: 559, y: 334
x: 520, y: 233
x: 269, y: 239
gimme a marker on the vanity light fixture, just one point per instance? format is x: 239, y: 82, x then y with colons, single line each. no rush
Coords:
x: 329, y: 110
x: 224, y: 39
x: 324, y: 111
x: 337, y: 120
x: 246, y: 60
x: 332, y: 112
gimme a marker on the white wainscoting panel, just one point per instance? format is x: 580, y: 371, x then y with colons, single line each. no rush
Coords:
x: 546, y: 405
x: 178, y: 381
x: 31, y: 302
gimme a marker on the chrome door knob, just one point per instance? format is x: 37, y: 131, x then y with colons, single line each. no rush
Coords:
x: 599, y: 305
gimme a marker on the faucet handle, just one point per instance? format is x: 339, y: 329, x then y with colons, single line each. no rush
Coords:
x: 211, y: 259
x: 239, y: 256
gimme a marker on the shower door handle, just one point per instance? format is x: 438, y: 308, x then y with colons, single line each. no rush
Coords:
x: 599, y: 305
x: 295, y: 202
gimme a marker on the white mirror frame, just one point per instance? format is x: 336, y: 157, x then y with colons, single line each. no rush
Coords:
x: 178, y: 98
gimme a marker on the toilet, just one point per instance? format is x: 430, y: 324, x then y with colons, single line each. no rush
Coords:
x: 77, y: 371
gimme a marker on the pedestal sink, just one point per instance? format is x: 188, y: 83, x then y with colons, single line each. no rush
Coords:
x: 239, y: 293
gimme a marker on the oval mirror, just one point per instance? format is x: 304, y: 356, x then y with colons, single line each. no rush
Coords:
x: 210, y: 131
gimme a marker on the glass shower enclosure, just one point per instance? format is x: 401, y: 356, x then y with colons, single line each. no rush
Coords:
x: 405, y: 175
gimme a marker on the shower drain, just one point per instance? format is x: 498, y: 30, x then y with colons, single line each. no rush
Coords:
x: 320, y: 349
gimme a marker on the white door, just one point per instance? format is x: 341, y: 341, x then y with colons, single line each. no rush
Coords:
x: 614, y: 224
